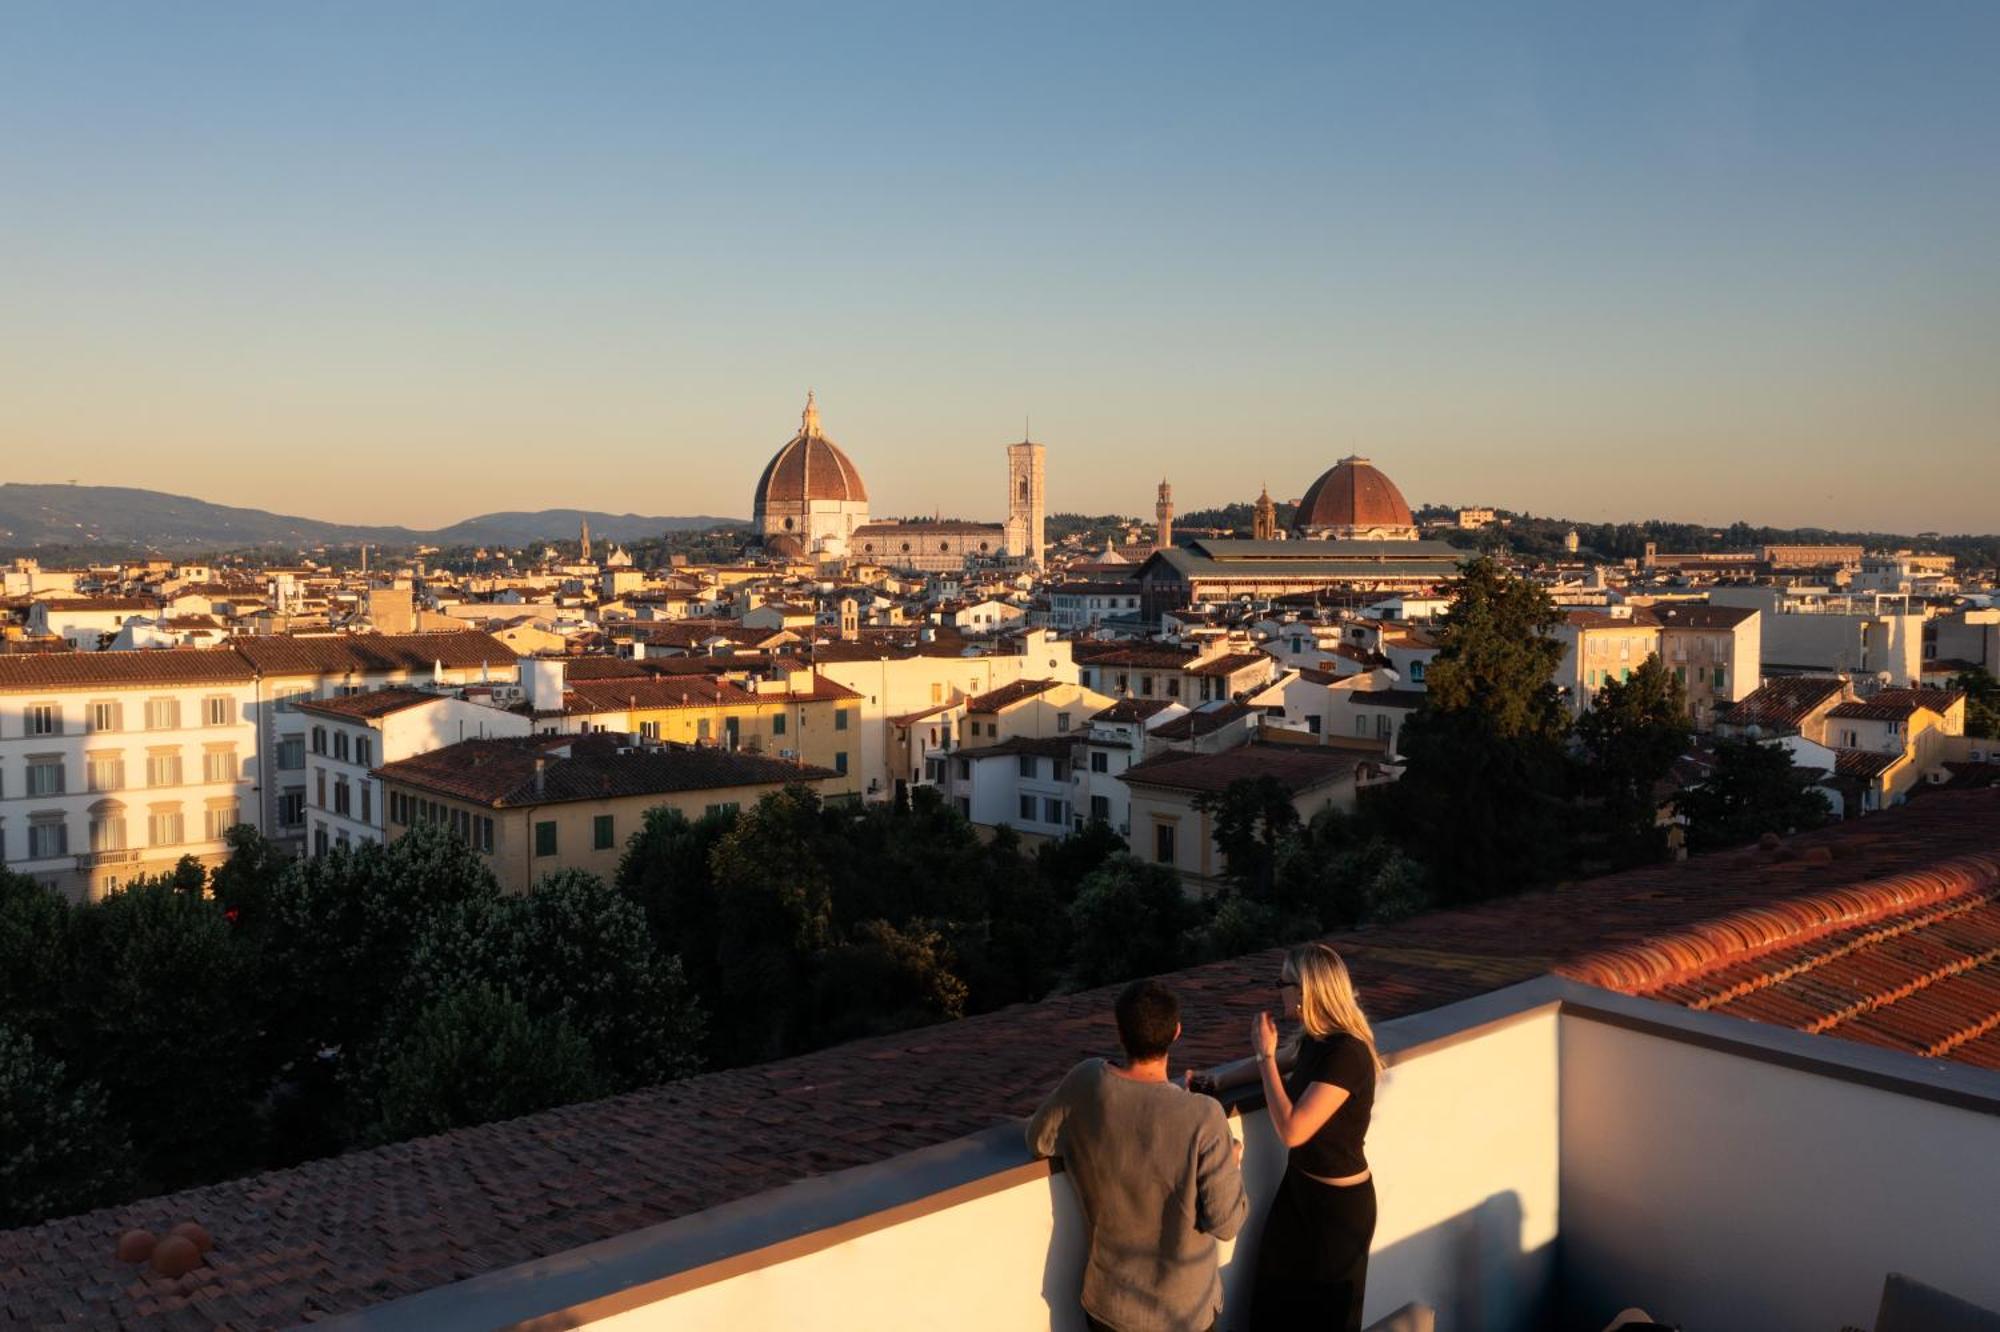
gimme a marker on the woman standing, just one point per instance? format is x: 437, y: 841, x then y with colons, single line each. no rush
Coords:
x: 1312, y: 1265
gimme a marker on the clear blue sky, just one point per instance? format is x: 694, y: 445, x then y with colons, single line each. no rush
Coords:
x: 405, y: 262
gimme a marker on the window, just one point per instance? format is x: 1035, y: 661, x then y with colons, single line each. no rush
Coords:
x: 107, y: 831
x: 545, y: 838
x: 840, y: 763
x: 218, y: 765
x: 778, y: 723
x: 601, y: 833
x: 1100, y: 761
x: 319, y: 788
x: 1100, y: 808
x: 340, y: 745
x: 486, y: 835
x: 965, y: 770
x: 292, y: 753
x: 44, y: 719
x: 163, y: 714
x: 840, y: 719
x: 48, y: 838
x: 367, y: 803
x: 725, y: 807
x: 1027, y: 809
x: 218, y: 820
x: 1163, y: 843
x: 215, y: 710
x: 1062, y: 721
x: 1721, y: 678
x: 319, y: 841
x: 1055, y: 811
x: 45, y: 776
x: 106, y: 716
x: 164, y: 828
x: 1173, y: 686
x: 701, y: 729
x: 292, y: 806
x: 340, y: 796
x: 1361, y: 724
x: 965, y: 807
x: 163, y: 767
x: 106, y: 772
x: 319, y: 739
x: 1416, y: 672
x: 1027, y: 762
x: 1146, y: 686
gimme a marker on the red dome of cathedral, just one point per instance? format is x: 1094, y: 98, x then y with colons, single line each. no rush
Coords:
x: 1353, y: 494
x: 809, y: 467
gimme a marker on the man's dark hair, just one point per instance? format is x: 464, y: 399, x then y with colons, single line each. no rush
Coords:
x: 1149, y: 1017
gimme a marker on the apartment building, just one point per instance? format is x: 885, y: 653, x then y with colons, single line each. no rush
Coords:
x: 291, y: 669
x: 1716, y: 652
x: 537, y: 804
x: 1168, y: 825
x: 114, y: 765
x: 1114, y: 740
x: 1600, y: 646
x: 349, y: 736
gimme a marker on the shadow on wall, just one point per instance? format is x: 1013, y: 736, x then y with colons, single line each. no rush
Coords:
x: 1470, y: 1268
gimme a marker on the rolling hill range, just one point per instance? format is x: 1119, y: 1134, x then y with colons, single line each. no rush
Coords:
x: 123, y: 518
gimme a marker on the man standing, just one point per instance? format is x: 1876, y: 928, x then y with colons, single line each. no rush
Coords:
x: 1156, y: 1170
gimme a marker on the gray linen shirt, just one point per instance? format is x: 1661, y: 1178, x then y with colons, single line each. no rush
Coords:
x: 1153, y: 1167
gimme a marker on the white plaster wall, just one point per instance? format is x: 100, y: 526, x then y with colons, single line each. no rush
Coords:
x: 1720, y: 1192
x: 1465, y: 1152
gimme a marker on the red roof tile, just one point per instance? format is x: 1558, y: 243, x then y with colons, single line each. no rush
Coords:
x: 111, y: 670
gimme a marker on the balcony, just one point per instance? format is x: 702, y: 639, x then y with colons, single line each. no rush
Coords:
x: 1545, y: 1155
x: 90, y: 860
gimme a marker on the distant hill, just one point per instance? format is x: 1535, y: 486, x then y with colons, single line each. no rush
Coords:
x: 118, y: 518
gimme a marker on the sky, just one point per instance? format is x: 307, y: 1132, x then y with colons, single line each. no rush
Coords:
x: 408, y: 262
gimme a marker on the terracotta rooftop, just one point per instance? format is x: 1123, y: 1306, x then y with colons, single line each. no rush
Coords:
x: 1229, y: 663
x: 1132, y: 709
x: 1939, y: 701
x: 1299, y: 767
x: 41, y: 671
x: 1007, y: 695
x: 1785, y: 702
x: 1875, y: 710
x: 368, y: 705
x: 341, y: 1234
x: 1203, y: 721
x: 319, y: 654
x: 1675, y: 616
x: 501, y: 773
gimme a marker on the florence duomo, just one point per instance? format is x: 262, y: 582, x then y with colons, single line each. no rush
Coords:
x: 811, y: 504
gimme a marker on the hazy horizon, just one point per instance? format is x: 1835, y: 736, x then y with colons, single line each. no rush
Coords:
x: 402, y: 265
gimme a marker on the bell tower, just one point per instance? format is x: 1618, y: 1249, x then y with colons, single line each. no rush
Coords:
x: 1264, y: 520
x: 1026, y: 475
x: 1163, y: 516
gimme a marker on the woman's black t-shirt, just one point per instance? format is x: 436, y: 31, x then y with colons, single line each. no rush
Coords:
x: 1335, y: 1151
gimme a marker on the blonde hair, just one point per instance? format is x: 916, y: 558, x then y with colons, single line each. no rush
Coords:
x: 1326, y: 998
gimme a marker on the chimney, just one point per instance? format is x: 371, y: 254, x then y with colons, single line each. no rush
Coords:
x: 850, y: 620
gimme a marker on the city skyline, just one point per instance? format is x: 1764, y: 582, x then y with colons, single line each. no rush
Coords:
x: 1718, y: 264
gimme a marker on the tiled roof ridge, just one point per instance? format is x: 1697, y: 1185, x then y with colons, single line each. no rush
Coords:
x: 1942, y: 1049
x: 1959, y: 883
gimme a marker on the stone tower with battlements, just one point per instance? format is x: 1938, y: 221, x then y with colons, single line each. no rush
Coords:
x: 1163, y: 515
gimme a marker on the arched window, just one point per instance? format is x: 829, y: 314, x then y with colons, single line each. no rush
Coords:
x: 906, y: 547
x: 788, y: 524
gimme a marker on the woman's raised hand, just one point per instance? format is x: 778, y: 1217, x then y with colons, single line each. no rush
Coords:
x: 1263, y: 1035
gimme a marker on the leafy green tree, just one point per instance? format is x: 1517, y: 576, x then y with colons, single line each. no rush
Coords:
x: 666, y: 870
x: 1251, y: 818
x: 1483, y: 795
x: 60, y: 1151
x: 343, y: 927
x: 1751, y: 790
x: 34, y: 953
x: 1630, y: 738
x: 773, y: 873
x: 883, y: 979
x: 245, y: 883
x: 572, y: 948
x: 162, y: 1009
x: 1067, y: 861
x: 476, y: 1055
x: 187, y: 876
x: 1131, y: 918
x: 1982, y: 703
x: 1341, y: 870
